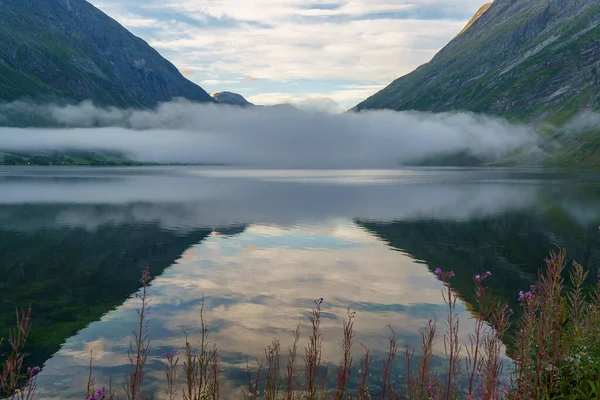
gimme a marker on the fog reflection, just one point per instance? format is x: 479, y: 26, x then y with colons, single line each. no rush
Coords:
x: 184, y: 199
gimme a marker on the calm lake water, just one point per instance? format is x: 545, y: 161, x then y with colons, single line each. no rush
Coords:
x: 261, y: 245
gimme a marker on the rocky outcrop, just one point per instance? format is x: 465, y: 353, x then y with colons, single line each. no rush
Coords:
x: 69, y: 50
x: 232, y: 99
x: 527, y: 60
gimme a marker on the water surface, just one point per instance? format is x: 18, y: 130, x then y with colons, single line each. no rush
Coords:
x: 261, y: 245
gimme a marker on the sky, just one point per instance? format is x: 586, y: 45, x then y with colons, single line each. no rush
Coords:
x: 316, y: 54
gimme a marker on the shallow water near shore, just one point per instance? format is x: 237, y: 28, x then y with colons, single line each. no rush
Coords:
x: 261, y: 245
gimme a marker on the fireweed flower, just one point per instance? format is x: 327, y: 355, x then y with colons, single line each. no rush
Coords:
x: 478, y: 278
x: 444, y: 275
x: 525, y: 296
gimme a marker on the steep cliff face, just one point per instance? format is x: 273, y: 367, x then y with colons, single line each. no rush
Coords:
x: 68, y: 49
x: 528, y: 60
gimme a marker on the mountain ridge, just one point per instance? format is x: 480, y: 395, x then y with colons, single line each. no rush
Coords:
x: 531, y: 60
x: 69, y: 51
x: 477, y: 15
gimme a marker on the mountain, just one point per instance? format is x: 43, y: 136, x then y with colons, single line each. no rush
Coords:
x: 478, y: 14
x: 526, y: 60
x: 68, y: 50
x: 235, y: 99
x: 232, y: 99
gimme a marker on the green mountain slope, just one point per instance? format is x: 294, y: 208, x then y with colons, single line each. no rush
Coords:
x: 68, y: 50
x: 527, y: 60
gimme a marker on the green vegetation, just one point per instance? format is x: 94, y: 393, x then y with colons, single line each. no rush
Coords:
x: 71, y: 157
x: 583, y: 150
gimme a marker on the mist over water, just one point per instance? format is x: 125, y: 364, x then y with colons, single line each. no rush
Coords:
x: 185, y: 132
x: 186, y: 198
x: 195, y: 198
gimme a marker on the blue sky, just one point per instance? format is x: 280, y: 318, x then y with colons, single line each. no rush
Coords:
x: 325, y: 54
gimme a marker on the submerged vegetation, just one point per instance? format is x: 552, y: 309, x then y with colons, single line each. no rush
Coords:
x: 554, y: 345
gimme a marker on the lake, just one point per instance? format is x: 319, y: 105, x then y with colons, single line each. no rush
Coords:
x: 261, y: 245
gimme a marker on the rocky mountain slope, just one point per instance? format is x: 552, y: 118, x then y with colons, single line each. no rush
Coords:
x: 68, y: 50
x: 478, y: 14
x: 232, y: 99
x: 527, y: 60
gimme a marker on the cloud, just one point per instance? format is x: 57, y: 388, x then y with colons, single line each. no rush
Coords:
x: 182, y: 131
x: 583, y: 123
x: 295, y: 40
x: 219, y: 81
x: 133, y: 21
x: 351, y: 50
x: 250, y: 78
x: 187, y: 71
x: 334, y: 101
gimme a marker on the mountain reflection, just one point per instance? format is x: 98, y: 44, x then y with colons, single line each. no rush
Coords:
x: 72, y: 276
x: 258, y: 286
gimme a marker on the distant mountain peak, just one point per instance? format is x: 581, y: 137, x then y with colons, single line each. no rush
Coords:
x: 232, y: 99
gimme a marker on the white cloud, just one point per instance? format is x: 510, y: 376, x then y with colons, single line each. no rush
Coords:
x: 336, y: 99
x: 353, y: 50
x: 219, y: 81
x: 133, y: 21
x: 284, y: 40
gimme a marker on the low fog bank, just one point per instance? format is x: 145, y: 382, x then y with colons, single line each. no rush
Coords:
x: 583, y: 123
x: 184, y: 132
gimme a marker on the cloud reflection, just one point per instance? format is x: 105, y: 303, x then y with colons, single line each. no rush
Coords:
x: 254, y: 296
